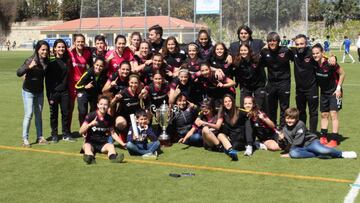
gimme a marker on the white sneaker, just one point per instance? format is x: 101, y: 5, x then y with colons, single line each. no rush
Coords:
x: 349, y: 155
x: 248, y: 150
x: 149, y: 156
x: 26, y: 143
x: 260, y: 145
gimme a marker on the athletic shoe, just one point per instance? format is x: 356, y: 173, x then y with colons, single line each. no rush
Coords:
x: 349, y: 155
x: 323, y: 140
x: 149, y: 156
x: 42, y: 141
x: 248, y: 150
x: 54, y: 139
x: 260, y: 145
x: 26, y: 143
x: 233, y: 154
x: 353, y: 62
x: 89, y: 159
x: 332, y: 144
x: 119, y: 158
x: 68, y: 138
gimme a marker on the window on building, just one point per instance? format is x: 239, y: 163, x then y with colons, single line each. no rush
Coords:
x: 64, y: 36
x: 51, y: 36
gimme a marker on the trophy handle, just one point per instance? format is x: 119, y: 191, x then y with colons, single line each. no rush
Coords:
x: 172, y: 112
x: 155, y: 112
x: 153, y: 109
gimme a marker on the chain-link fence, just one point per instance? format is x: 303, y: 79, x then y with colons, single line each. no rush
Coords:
x: 286, y: 17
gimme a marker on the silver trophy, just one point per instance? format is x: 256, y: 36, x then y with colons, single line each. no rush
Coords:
x: 163, y: 115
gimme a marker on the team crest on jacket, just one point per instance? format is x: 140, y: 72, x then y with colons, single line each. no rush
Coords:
x: 307, y: 60
x: 282, y: 55
x: 178, y: 59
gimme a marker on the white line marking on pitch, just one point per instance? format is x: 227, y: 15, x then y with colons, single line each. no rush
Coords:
x: 354, y: 191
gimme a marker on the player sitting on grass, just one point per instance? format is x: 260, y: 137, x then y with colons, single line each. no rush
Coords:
x: 303, y: 144
x: 96, y: 129
x: 209, y: 123
x: 138, y: 138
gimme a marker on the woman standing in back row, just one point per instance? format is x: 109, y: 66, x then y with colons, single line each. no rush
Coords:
x: 33, y: 71
x: 57, y: 90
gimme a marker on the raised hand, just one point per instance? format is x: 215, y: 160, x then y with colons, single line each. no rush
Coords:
x: 117, y: 97
x: 89, y: 85
x: 261, y: 115
x: 114, y: 83
x: 177, y: 90
x: 93, y: 122
x: 111, y: 56
x: 32, y: 64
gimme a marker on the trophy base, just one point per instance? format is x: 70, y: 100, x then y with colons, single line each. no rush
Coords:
x: 165, y: 143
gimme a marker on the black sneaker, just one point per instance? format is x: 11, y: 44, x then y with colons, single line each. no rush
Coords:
x: 89, y: 159
x: 68, y: 138
x: 119, y: 158
x: 54, y: 139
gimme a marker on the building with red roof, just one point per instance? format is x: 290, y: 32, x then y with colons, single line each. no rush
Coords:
x: 112, y: 26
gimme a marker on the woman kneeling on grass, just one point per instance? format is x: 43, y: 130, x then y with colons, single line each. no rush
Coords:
x: 209, y: 122
x: 96, y: 129
x: 303, y: 144
x: 263, y: 128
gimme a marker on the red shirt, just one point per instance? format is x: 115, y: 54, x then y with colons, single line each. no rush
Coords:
x: 79, y: 64
x: 114, y: 63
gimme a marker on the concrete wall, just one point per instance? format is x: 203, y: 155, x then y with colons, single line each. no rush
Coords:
x: 25, y: 32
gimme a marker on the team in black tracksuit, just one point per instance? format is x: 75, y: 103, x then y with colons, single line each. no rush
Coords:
x: 221, y: 61
x: 252, y: 79
x: 89, y: 96
x: 306, y: 87
x: 278, y: 86
x: 56, y: 80
x: 255, y: 44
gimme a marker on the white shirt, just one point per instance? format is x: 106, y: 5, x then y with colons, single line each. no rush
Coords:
x: 358, y: 43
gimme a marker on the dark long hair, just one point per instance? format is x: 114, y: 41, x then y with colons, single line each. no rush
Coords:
x: 249, y: 58
x: 254, y: 112
x: 225, y: 51
x: 247, y: 29
x: 36, y: 52
x: 165, y: 50
x: 232, y: 115
x: 66, y: 54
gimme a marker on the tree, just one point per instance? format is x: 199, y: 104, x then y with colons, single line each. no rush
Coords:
x: 340, y: 11
x: 23, y: 11
x: 315, y: 10
x: 7, y: 15
x: 70, y: 9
